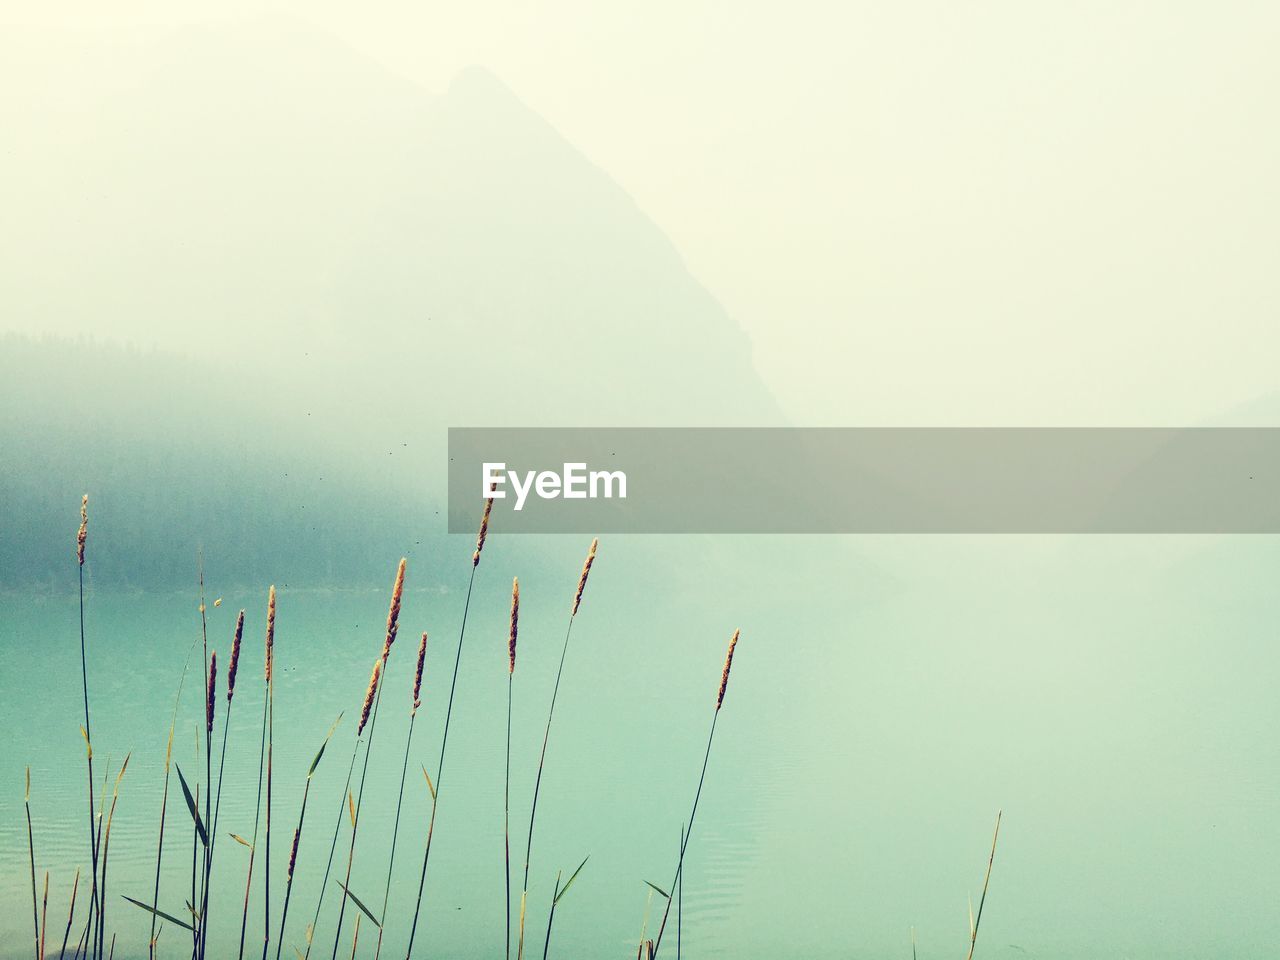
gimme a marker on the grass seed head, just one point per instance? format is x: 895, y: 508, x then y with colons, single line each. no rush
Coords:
x: 582, y: 580
x: 212, y: 693
x: 271, y: 630
x: 83, y: 532
x: 417, y: 676
x: 515, y: 622
x: 393, y: 615
x: 368, y: 696
x: 728, y: 664
x: 234, y: 665
x: 484, y: 530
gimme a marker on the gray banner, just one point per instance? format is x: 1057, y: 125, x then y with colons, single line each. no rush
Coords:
x: 930, y: 480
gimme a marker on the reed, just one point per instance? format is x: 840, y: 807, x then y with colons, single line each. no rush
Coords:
x: 369, y: 715
x: 71, y: 914
x: 555, y: 902
x: 262, y: 769
x: 164, y: 802
x: 506, y: 779
x: 973, y: 929
x: 270, y: 737
x: 211, y: 694
x: 106, y: 849
x: 192, y: 904
x: 353, y: 805
x: 233, y: 665
x: 297, y: 836
x: 448, y: 715
x: 44, y: 919
x: 680, y: 902
x: 546, y: 736
x: 684, y: 844
x: 82, y: 535
x: 199, y: 932
x: 404, y: 769
x: 31, y: 849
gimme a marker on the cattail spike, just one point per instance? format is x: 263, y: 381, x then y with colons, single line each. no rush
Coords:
x: 515, y: 621
x: 728, y: 663
x: 83, y: 533
x: 368, y: 697
x: 234, y: 665
x: 484, y: 530
x: 417, y: 676
x: 393, y: 615
x: 212, y: 693
x: 271, y: 630
x: 582, y: 580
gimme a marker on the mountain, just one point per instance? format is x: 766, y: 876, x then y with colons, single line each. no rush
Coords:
x: 257, y: 273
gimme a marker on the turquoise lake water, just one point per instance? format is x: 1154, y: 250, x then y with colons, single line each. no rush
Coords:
x: 1115, y: 697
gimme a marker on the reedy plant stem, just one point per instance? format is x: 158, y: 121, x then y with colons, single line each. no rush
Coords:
x: 684, y: 844
x: 355, y: 823
x: 106, y: 848
x: 257, y: 812
x: 71, y: 914
x: 342, y: 804
x: 302, y: 813
x: 266, y: 873
x: 395, y: 832
x: 31, y: 848
x: 537, y: 784
x: 973, y: 937
x: 88, y: 736
x: 44, y: 919
x: 164, y: 798
x: 213, y: 827
x: 506, y: 820
x: 208, y: 777
x: 444, y: 742
x: 195, y: 901
x: 551, y: 918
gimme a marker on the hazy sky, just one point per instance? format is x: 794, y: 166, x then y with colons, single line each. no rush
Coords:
x: 921, y: 212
